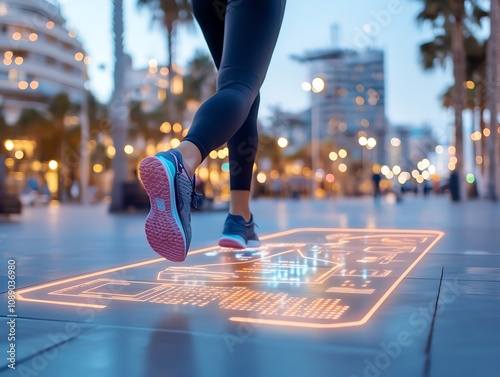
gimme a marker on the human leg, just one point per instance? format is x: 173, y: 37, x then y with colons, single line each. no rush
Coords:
x: 251, y: 31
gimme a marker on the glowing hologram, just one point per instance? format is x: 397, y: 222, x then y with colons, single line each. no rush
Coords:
x: 313, y: 278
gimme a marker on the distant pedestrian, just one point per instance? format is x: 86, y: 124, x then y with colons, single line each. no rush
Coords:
x: 376, y: 178
x: 241, y: 39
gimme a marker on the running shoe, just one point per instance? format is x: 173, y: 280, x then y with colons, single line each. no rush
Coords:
x: 171, y: 193
x: 239, y: 234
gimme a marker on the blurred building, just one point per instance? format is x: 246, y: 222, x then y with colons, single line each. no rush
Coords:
x: 410, y: 145
x: 353, y: 100
x: 39, y: 57
x: 295, y: 127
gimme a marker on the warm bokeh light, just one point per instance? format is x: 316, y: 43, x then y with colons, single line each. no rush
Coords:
x: 371, y: 143
x: 23, y: 85
x: 306, y: 86
x: 318, y: 85
x: 396, y: 169
x: 282, y: 142
x: 432, y: 169
x: 342, y: 153
x: 33, y: 37
x: 110, y: 151
x: 177, y: 127
x: 385, y: 170
x: 453, y: 160
x: 36, y: 165
x: 479, y: 160
x: 486, y: 132
x: 395, y: 142
x: 174, y: 143
x: 19, y: 154
x: 153, y: 63
x: 333, y: 156
x: 19, y: 60
x: 451, y: 149
x: 402, y: 179
x: 363, y: 141
x: 360, y: 100
x: 128, y: 149
x: 165, y: 127
x: 213, y: 155
x: 342, y: 168
x: 79, y: 56
x: 439, y: 149
x: 49, y: 25
x: 451, y: 166
x: 98, y: 168
x: 34, y: 84
x: 9, y: 162
x: 470, y: 85
x: 7, y: 61
x: 475, y: 136
x: 72, y: 33
x: 8, y: 54
x: 9, y: 144
x: 16, y: 36
x: 53, y: 165
x: 415, y: 173
x: 330, y: 178
x: 261, y: 177
x: 221, y: 153
x: 164, y: 71
x: 177, y: 84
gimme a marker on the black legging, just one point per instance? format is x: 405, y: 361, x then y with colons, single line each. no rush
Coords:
x: 241, y: 35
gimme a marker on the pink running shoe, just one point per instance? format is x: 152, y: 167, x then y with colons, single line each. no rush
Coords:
x: 171, y: 193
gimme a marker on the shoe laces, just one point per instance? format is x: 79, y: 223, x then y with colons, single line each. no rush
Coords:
x: 195, y: 197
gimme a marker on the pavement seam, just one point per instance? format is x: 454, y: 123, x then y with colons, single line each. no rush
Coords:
x: 43, y: 350
x: 427, y: 368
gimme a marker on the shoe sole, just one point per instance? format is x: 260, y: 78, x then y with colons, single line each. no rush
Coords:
x: 164, y: 230
x: 236, y: 242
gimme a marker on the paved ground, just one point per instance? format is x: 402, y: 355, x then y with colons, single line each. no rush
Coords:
x: 439, y: 318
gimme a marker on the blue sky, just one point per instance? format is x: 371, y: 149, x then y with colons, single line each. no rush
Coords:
x: 412, y: 95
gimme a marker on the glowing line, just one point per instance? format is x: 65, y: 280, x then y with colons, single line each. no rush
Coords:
x: 272, y: 235
x: 344, y: 324
x: 61, y: 302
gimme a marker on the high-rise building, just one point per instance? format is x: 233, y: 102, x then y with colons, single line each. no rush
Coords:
x: 352, y: 103
x: 39, y: 57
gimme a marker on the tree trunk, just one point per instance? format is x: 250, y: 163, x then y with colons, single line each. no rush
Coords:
x: 493, y: 66
x: 170, y: 60
x: 119, y: 112
x: 458, y: 54
x: 62, y: 169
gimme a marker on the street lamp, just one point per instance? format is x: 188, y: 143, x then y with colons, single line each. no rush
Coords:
x: 368, y: 144
x: 317, y: 85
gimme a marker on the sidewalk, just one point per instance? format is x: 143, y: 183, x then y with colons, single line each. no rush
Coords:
x: 156, y: 318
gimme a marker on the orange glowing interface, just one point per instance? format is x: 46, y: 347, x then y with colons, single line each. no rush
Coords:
x: 316, y: 278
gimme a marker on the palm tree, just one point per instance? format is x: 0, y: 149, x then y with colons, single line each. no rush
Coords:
x: 119, y: 111
x: 493, y: 68
x: 171, y: 13
x: 58, y: 108
x: 448, y: 19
